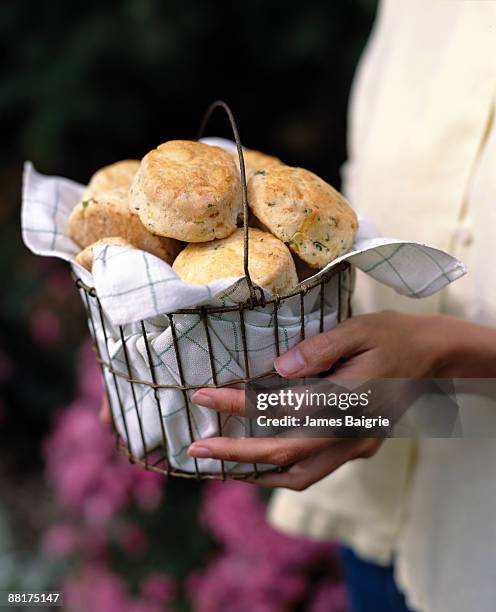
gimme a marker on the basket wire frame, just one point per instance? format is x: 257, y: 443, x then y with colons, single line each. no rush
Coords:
x: 340, y: 274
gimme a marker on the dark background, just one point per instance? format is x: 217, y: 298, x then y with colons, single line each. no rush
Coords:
x: 84, y: 84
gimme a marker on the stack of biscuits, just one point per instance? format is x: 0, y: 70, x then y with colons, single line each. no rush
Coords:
x: 182, y: 203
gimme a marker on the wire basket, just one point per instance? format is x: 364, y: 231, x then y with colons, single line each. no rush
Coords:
x: 338, y: 282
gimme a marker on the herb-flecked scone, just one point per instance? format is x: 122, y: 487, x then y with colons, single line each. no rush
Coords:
x: 270, y: 263
x: 108, y: 214
x: 85, y: 257
x: 120, y: 174
x: 187, y: 190
x: 302, y: 210
x: 256, y: 162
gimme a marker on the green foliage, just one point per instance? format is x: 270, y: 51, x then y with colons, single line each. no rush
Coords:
x: 87, y: 83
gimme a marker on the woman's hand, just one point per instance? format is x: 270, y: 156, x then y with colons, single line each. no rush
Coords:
x: 307, y: 459
x: 104, y: 412
x: 389, y: 344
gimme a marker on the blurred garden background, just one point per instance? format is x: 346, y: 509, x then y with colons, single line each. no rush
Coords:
x: 85, y: 84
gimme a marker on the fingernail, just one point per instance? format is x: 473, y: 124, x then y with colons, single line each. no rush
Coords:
x: 202, y: 399
x: 198, y: 451
x: 289, y: 363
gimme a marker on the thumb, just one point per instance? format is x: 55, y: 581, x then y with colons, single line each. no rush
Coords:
x: 319, y: 353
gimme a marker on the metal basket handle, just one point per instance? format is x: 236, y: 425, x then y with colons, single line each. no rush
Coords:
x: 244, y: 189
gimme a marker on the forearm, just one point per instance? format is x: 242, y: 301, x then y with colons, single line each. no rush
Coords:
x: 463, y: 349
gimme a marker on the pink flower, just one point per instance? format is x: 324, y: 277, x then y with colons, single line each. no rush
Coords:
x: 95, y: 588
x: 158, y: 588
x: 89, y: 475
x: 89, y: 375
x: 60, y: 540
x: 148, y: 489
x: 233, y: 500
x: 94, y: 543
x: 144, y: 606
x: 234, y: 582
x: 45, y: 328
x: 329, y: 596
x: 258, y: 568
x: 133, y: 539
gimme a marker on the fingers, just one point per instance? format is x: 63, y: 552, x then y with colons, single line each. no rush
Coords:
x: 310, y: 459
x: 230, y: 401
x: 277, y: 451
x: 104, y: 414
x: 319, y: 353
x: 307, y: 472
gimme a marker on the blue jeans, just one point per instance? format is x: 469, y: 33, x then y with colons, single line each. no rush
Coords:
x: 371, y: 587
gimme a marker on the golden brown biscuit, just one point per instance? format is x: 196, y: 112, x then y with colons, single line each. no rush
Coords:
x: 108, y: 214
x: 270, y: 263
x: 256, y: 162
x: 85, y: 257
x: 304, y: 211
x: 120, y: 174
x: 187, y: 190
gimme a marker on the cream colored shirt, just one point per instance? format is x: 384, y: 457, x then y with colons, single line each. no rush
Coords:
x: 422, y: 166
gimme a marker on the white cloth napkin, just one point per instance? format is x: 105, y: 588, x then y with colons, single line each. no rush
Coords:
x: 135, y: 286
